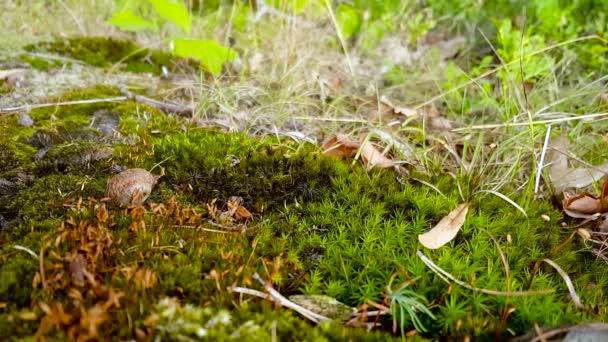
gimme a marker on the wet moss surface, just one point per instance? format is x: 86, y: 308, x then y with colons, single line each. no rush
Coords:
x: 320, y: 226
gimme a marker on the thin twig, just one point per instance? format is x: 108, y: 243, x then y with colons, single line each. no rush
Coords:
x: 66, y: 103
x: 315, y: 317
x: 164, y: 106
x: 201, y: 228
x: 443, y: 275
x: 251, y: 292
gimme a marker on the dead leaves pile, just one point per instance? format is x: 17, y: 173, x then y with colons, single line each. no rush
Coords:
x: 80, y: 255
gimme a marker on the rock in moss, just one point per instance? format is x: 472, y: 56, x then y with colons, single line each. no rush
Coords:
x: 324, y: 305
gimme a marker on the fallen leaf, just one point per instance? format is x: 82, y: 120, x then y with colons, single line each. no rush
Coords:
x: 562, y: 176
x: 585, y: 205
x: 446, y: 230
x: 341, y: 145
x: 387, y: 105
x: 372, y: 157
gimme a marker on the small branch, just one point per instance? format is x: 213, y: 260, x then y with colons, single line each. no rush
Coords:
x: 201, y: 228
x: 164, y: 106
x: 66, y: 103
x: 443, y: 275
x: 249, y: 292
x: 289, y: 304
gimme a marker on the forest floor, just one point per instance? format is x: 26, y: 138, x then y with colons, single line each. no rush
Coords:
x: 300, y: 179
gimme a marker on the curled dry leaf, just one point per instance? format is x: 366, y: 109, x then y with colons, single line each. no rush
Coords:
x: 585, y: 205
x: 341, y: 145
x: 446, y: 230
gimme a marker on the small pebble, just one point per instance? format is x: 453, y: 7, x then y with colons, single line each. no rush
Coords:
x: 545, y: 217
x: 25, y: 120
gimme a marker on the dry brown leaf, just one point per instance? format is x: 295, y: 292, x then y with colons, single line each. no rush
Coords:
x: 387, y: 105
x: 562, y: 176
x: 446, y: 230
x: 372, y: 157
x: 585, y: 205
x: 341, y: 145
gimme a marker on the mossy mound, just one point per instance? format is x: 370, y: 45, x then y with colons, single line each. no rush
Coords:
x: 104, y: 52
x: 320, y: 226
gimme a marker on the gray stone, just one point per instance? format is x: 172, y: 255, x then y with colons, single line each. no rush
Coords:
x: 25, y: 120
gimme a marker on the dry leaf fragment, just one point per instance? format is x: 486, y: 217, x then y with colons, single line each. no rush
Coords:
x: 446, y: 230
x: 396, y: 110
x: 341, y: 145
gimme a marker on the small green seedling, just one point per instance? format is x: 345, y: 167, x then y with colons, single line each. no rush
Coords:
x: 210, y: 53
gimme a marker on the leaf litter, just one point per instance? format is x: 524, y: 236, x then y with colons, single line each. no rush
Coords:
x: 446, y: 230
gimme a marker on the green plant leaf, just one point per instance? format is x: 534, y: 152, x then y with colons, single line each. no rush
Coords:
x: 210, y: 53
x: 127, y: 21
x: 349, y: 20
x: 174, y: 12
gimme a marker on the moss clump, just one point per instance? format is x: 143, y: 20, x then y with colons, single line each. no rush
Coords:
x: 104, y: 52
x: 41, y: 204
x: 14, y: 155
x: 217, y: 166
x: 39, y: 63
x: 76, y: 157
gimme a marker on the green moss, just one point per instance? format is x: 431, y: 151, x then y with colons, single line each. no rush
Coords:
x: 14, y: 155
x: 105, y: 52
x: 41, y: 204
x: 39, y: 63
x: 323, y: 226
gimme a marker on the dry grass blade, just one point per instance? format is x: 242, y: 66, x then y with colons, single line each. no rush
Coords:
x: 507, y: 199
x: 446, y: 276
x: 289, y: 304
x: 66, y: 103
x: 446, y: 230
x: 27, y: 250
x: 573, y: 295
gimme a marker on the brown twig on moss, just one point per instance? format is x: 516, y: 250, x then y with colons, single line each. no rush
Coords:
x: 164, y: 106
x: 29, y: 107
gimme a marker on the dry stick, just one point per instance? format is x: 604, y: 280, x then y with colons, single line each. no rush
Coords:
x: 165, y: 107
x: 315, y: 317
x: 201, y: 228
x: 249, y: 292
x: 539, y: 333
x: 66, y: 103
x: 573, y: 295
x: 445, y: 275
